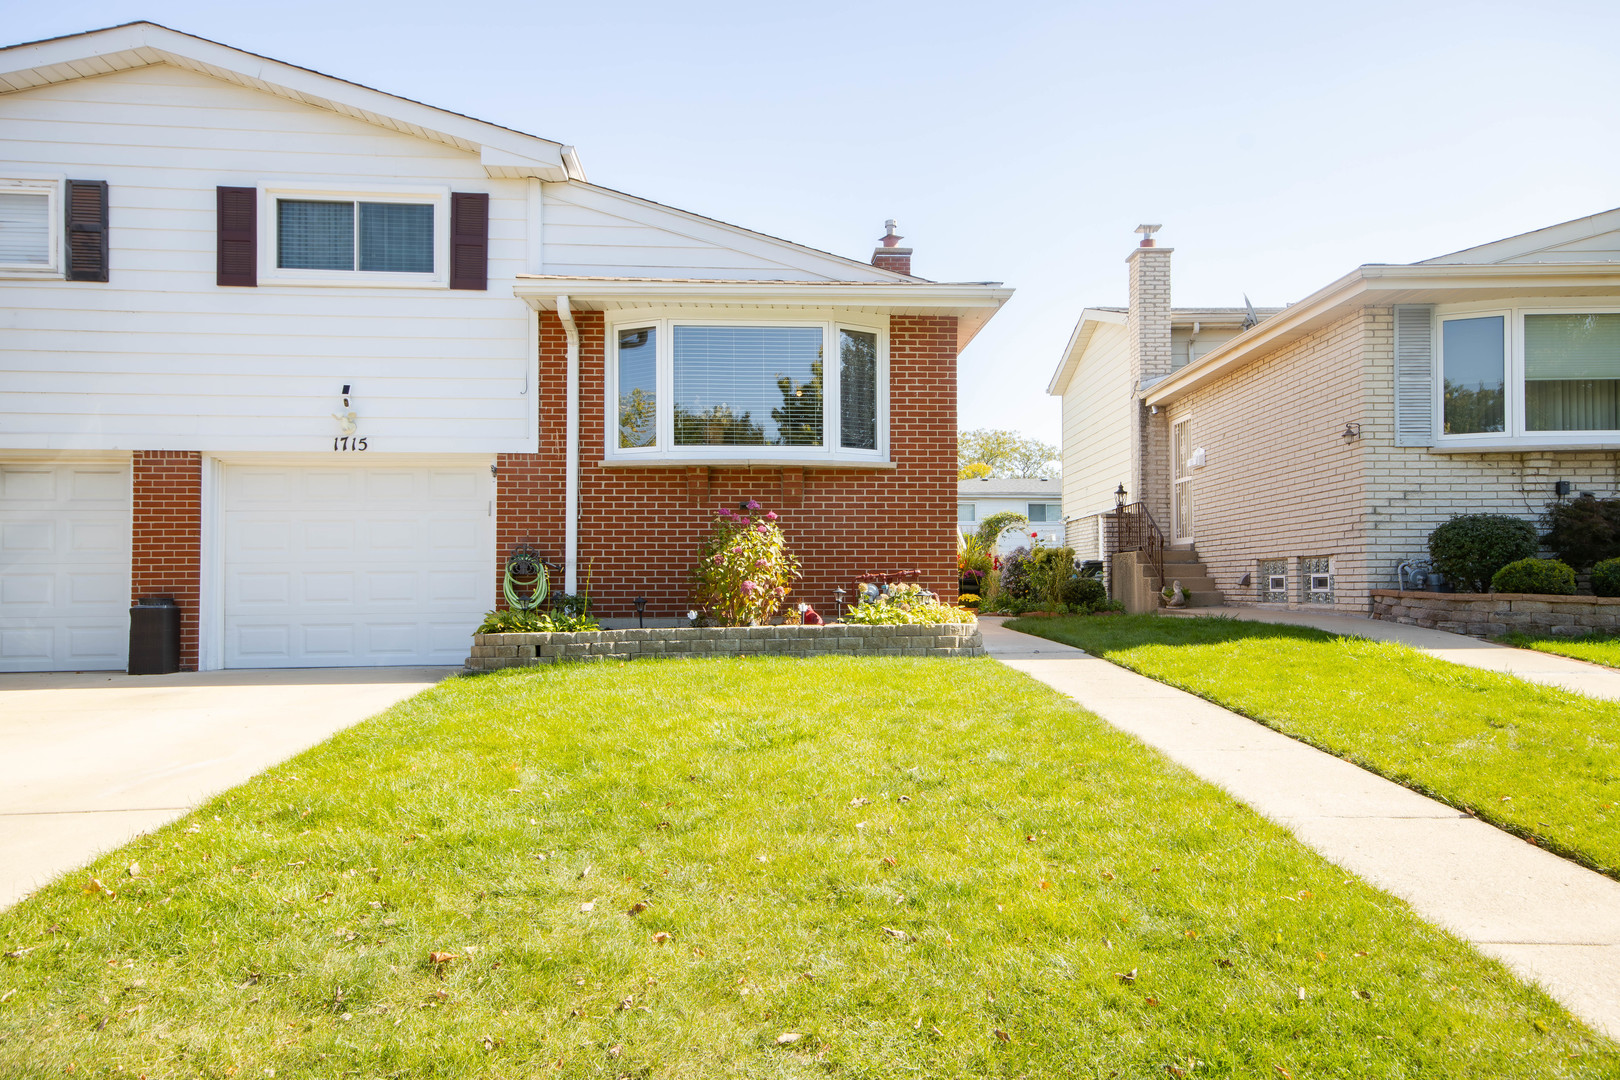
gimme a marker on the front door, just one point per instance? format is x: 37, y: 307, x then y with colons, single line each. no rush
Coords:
x: 1181, y: 486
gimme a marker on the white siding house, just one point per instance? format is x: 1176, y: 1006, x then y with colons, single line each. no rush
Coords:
x: 1041, y: 501
x: 312, y: 286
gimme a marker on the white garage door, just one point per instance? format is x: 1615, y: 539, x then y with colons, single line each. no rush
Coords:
x: 64, y: 566
x: 354, y: 565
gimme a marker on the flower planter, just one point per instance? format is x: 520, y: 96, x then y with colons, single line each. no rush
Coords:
x: 491, y: 652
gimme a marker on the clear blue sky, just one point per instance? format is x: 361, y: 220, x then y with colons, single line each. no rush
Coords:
x: 1279, y: 144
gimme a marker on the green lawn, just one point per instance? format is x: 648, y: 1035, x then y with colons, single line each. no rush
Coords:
x: 853, y: 868
x: 1594, y: 648
x: 1540, y: 762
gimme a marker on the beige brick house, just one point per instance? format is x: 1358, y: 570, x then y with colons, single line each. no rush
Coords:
x: 1302, y: 454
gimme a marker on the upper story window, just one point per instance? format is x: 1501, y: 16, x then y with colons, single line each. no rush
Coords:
x: 717, y: 389
x: 30, y: 237
x: 311, y: 235
x: 1529, y: 374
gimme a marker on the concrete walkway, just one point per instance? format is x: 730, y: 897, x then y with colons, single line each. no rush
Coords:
x: 90, y: 760
x: 1552, y: 922
x: 1526, y: 664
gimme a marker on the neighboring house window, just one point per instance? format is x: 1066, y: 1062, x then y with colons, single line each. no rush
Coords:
x: 967, y: 512
x: 1316, y: 579
x: 1037, y: 513
x: 311, y: 235
x: 30, y: 236
x: 1524, y: 374
x: 731, y: 389
x: 1272, y: 581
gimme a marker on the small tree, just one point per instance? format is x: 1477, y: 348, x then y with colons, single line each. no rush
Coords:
x: 744, y: 569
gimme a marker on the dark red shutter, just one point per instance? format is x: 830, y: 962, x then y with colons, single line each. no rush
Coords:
x: 87, y: 230
x: 469, y: 240
x: 238, y: 236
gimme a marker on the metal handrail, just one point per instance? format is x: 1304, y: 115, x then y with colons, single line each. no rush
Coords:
x: 1132, y: 528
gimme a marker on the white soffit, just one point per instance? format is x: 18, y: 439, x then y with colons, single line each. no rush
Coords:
x: 504, y: 152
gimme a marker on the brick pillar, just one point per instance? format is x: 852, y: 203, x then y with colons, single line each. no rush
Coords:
x: 1147, y: 326
x: 167, y: 536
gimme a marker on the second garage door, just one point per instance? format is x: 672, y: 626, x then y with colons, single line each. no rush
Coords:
x: 335, y: 566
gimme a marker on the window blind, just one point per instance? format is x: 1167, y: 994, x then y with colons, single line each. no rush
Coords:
x: 396, y: 237
x: 25, y: 228
x: 1571, y: 347
x: 312, y: 235
x: 748, y: 385
x: 857, y: 390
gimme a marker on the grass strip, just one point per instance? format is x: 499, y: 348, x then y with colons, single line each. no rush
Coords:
x: 1593, y: 648
x: 837, y: 867
x: 1534, y: 760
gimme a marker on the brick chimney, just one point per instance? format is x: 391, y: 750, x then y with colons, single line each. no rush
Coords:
x: 1147, y: 330
x: 889, y: 254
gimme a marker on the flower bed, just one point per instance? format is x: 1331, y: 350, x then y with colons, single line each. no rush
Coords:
x: 1495, y: 614
x: 491, y: 652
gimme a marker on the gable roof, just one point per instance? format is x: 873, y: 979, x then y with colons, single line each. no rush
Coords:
x: 1573, y: 258
x: 1594, y: 238
x: 503, y: 151
x: 1007, y: 487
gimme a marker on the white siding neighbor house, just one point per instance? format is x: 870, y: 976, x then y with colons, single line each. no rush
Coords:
x: 1041, y: 501
x: 272, y: 338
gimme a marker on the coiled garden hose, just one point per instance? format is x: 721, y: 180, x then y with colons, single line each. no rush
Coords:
x: 525, y: 570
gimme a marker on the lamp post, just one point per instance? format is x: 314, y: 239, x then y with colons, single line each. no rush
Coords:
x: 1119, y: 497
x: 840, y: 593
x: 641, y: 610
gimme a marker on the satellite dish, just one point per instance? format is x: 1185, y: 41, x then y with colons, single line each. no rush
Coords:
x: 1251, y: 317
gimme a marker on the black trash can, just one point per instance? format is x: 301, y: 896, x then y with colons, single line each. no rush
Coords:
x: 154, y: 636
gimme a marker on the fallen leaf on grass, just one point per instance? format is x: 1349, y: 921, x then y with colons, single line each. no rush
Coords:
x: 890, y: 860
x: 661, y: 938
x: 615, y: 1051
x: 1175, y: 1070
x: 1150, y: 1001
x: 898, y: 935
x: 1003, y: 1036
x: 636, y: 908
x: 938, y: 1034
x: 439, y: 959
x: 491, y: 1044
x: 1364, y: 995
x: 95, y: 885
x: 588, y: 906
x: 1284, y: 1073
x: 134, y: 869
x: 1126, y: 976
x: 1045, y: 884
x: 859, y: 800
x: 1299, y: 992
x: 788, y: 1038
x: 18, y: 954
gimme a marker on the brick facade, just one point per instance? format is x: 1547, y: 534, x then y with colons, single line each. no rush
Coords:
x: 1147, y: 329
x: 166, y: 538
x: 640, y: 527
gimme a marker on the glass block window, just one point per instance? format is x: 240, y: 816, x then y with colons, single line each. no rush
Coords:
x: 1316, y: 579
x: 1271, y: 583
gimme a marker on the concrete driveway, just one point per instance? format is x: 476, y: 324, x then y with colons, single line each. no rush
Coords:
x: 89, y: 760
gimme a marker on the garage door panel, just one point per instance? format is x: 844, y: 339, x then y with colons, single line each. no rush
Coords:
x: 64, y: 566
x: 358, y: 568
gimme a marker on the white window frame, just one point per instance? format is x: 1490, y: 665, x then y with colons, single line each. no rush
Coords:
x: 1517, y: 433
x: 51, y: 188
x: 433, y: 195
x: 830, y: 453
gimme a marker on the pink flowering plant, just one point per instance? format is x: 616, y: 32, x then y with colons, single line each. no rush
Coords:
x: 744, y: 570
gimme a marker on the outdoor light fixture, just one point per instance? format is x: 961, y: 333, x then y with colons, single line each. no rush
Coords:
x: 840, y: 593
x: 1119, y: 497
x: 641, y: 610
x: 691, y: 617
x: 1352, y: 429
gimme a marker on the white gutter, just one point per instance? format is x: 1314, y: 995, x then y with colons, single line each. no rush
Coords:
x: 571, y: 468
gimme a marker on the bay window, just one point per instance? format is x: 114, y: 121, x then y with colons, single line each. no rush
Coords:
x: 1525, y: 375
x: 712, y: 389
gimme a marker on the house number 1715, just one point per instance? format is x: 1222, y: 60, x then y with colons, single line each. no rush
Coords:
x: 346, y: 442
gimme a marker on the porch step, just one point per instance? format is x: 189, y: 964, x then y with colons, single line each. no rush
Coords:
x: 1184, y: 565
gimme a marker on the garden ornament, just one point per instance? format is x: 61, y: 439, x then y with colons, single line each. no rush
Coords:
x: 1175, y: 595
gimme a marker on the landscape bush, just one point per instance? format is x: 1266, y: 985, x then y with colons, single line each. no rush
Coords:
x: 1470, y: 548
x: 1606, y: 578
x: 906, y: 604
x: 1546, y: 576
x: 744, y: 569
x: 512, y: 621
x: 1583, y: 530
x: 1015, y: 579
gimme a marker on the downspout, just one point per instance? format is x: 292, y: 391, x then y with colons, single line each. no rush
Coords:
x: 571, y: 467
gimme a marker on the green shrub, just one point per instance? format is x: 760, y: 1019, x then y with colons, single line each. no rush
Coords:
x: 906, y: 604
x: 744, y: 569
x: 511, y: 621
x: 1606, y: 578
x: 1584, y: 530
x: 1015, y: 577
x: 1546, y: 576
x: 1470, y: 548
x: 990, y: 528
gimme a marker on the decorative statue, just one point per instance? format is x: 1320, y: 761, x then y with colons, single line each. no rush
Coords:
x: 1175, y: 595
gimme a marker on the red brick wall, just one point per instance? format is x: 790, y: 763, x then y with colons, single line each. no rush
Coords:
x: 167, y: 556
x: 640, y: 530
